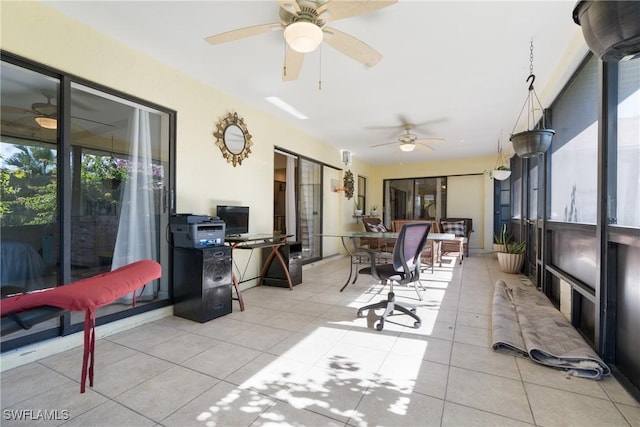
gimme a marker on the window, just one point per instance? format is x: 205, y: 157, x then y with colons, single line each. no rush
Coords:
x: 75, y: 207
x: 574, y: 160
x: 415, y: 198
x: 628, y: 148
x: 362, y: 194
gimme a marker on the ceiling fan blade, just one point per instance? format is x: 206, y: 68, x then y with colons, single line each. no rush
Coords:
x: 339, y: 9
x: 424, y: 147
x: 428, y: 140
x: 383, y: 144
x: 15, y: 110
x: 290, y: 6
x: 352, y: 47
x: 241, y: 33
x: 292, y: 65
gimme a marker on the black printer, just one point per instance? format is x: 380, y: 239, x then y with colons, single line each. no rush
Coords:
x: 196, y: 231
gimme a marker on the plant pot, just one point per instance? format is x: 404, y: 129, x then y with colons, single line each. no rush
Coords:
x: 610, y: 28
x: 374, y: 213
x: 530, y: 143
x: 500, y: 174
x: 510, y: 263
x: 499, y: 248
x: 357, y: 212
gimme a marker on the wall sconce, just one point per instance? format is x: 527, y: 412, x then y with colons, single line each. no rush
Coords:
x: 346, y: 157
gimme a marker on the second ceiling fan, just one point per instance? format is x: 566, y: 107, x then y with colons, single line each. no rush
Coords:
x: 304, y: 24
x: 409, y: 141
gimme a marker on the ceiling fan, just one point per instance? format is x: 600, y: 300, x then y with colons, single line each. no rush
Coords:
x: 409, y: 141
x: 43, y: 113
x: 304, y: 23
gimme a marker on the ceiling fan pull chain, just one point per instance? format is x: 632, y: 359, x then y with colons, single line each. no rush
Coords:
x: 320, y: 69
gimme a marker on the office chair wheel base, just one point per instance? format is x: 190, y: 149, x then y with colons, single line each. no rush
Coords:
x: 379, y: 326
x: 417, y: 324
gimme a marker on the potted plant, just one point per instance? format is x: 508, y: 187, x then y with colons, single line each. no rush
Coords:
x: 357, y: 208
x: 374, y: 210
x: 500, y: 240
x: 512, y: 259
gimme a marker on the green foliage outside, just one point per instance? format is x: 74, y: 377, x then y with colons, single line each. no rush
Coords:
x: 28, y: 185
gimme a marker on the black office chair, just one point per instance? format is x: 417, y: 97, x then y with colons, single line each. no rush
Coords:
x: 404, y: 269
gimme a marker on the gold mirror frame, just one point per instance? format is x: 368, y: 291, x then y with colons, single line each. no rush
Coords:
x: 230, y: 153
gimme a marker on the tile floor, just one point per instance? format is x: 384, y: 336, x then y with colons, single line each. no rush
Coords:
x: 302, y: 358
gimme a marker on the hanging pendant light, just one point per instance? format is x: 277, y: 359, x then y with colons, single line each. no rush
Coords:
x: 534, y: 140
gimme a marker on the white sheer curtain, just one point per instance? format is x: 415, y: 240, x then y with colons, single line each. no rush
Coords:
x: 290, y: 198
x: 137, y: 239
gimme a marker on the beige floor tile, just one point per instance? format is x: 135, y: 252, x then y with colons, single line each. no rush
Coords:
x: 289, y: 321
x: 268, y: 374
x: 223, y: 328
x: 166, y: 392
x: 331, y: 392
x: 483, y: 359
x: 475, y: 336
x: 631, y: 414
x: 129, y: 372
x: 387, y: 407
x: 20, y: 383
x: 490, y: 393
x: 61, y: 403
x: 552, y: 407
x: 145, y: 337
x: 616, y: 392
x: 412, y: 374
x: 282, y: 414
x: 427, y: 348
x: 473, y: 320
x: 260, y: 337
x: 221, y: 405
x: 256, y: 315
x: 182, y: 347
x: 110, y: 414
x: 458, y: 415
x: 537, y: 373
x: 221, y: 360
x: 308, y: 349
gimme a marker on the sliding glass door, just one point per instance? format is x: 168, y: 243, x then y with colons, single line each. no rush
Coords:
x: 84, y: 174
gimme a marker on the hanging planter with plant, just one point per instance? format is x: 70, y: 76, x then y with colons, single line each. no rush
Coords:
x: 348, y: 184
x: 501, y: 170
x: 536, y: 140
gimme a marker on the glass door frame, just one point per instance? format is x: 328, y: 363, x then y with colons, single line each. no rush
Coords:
x: 65, y: 200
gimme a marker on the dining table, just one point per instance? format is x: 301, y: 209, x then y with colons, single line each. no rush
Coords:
x: 360, y: 253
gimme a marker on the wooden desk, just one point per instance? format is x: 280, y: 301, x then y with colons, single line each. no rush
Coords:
x: 258, y: 241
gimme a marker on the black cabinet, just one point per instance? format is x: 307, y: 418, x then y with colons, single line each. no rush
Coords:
x: 275, y: 275
x: 202, y: 281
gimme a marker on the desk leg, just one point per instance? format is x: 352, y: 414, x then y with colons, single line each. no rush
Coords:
x: 236, y: 285
x: 275, y: 253
x: 350, y: 274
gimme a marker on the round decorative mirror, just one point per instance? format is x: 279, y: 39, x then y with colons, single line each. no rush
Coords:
x: 233, y: 138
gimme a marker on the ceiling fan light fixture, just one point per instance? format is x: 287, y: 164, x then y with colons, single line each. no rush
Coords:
x: 47, y: 122
x: 303, y: 36
x: 407, y: 146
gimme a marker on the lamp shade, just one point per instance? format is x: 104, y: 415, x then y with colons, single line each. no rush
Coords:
x: 303, y: 36
x: 407, y: 146
x: 47, y: 122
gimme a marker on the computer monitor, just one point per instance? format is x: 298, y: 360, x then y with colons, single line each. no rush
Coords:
x: 236, y: 219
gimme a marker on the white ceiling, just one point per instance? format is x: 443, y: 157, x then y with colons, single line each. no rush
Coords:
x: 459, y: 66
